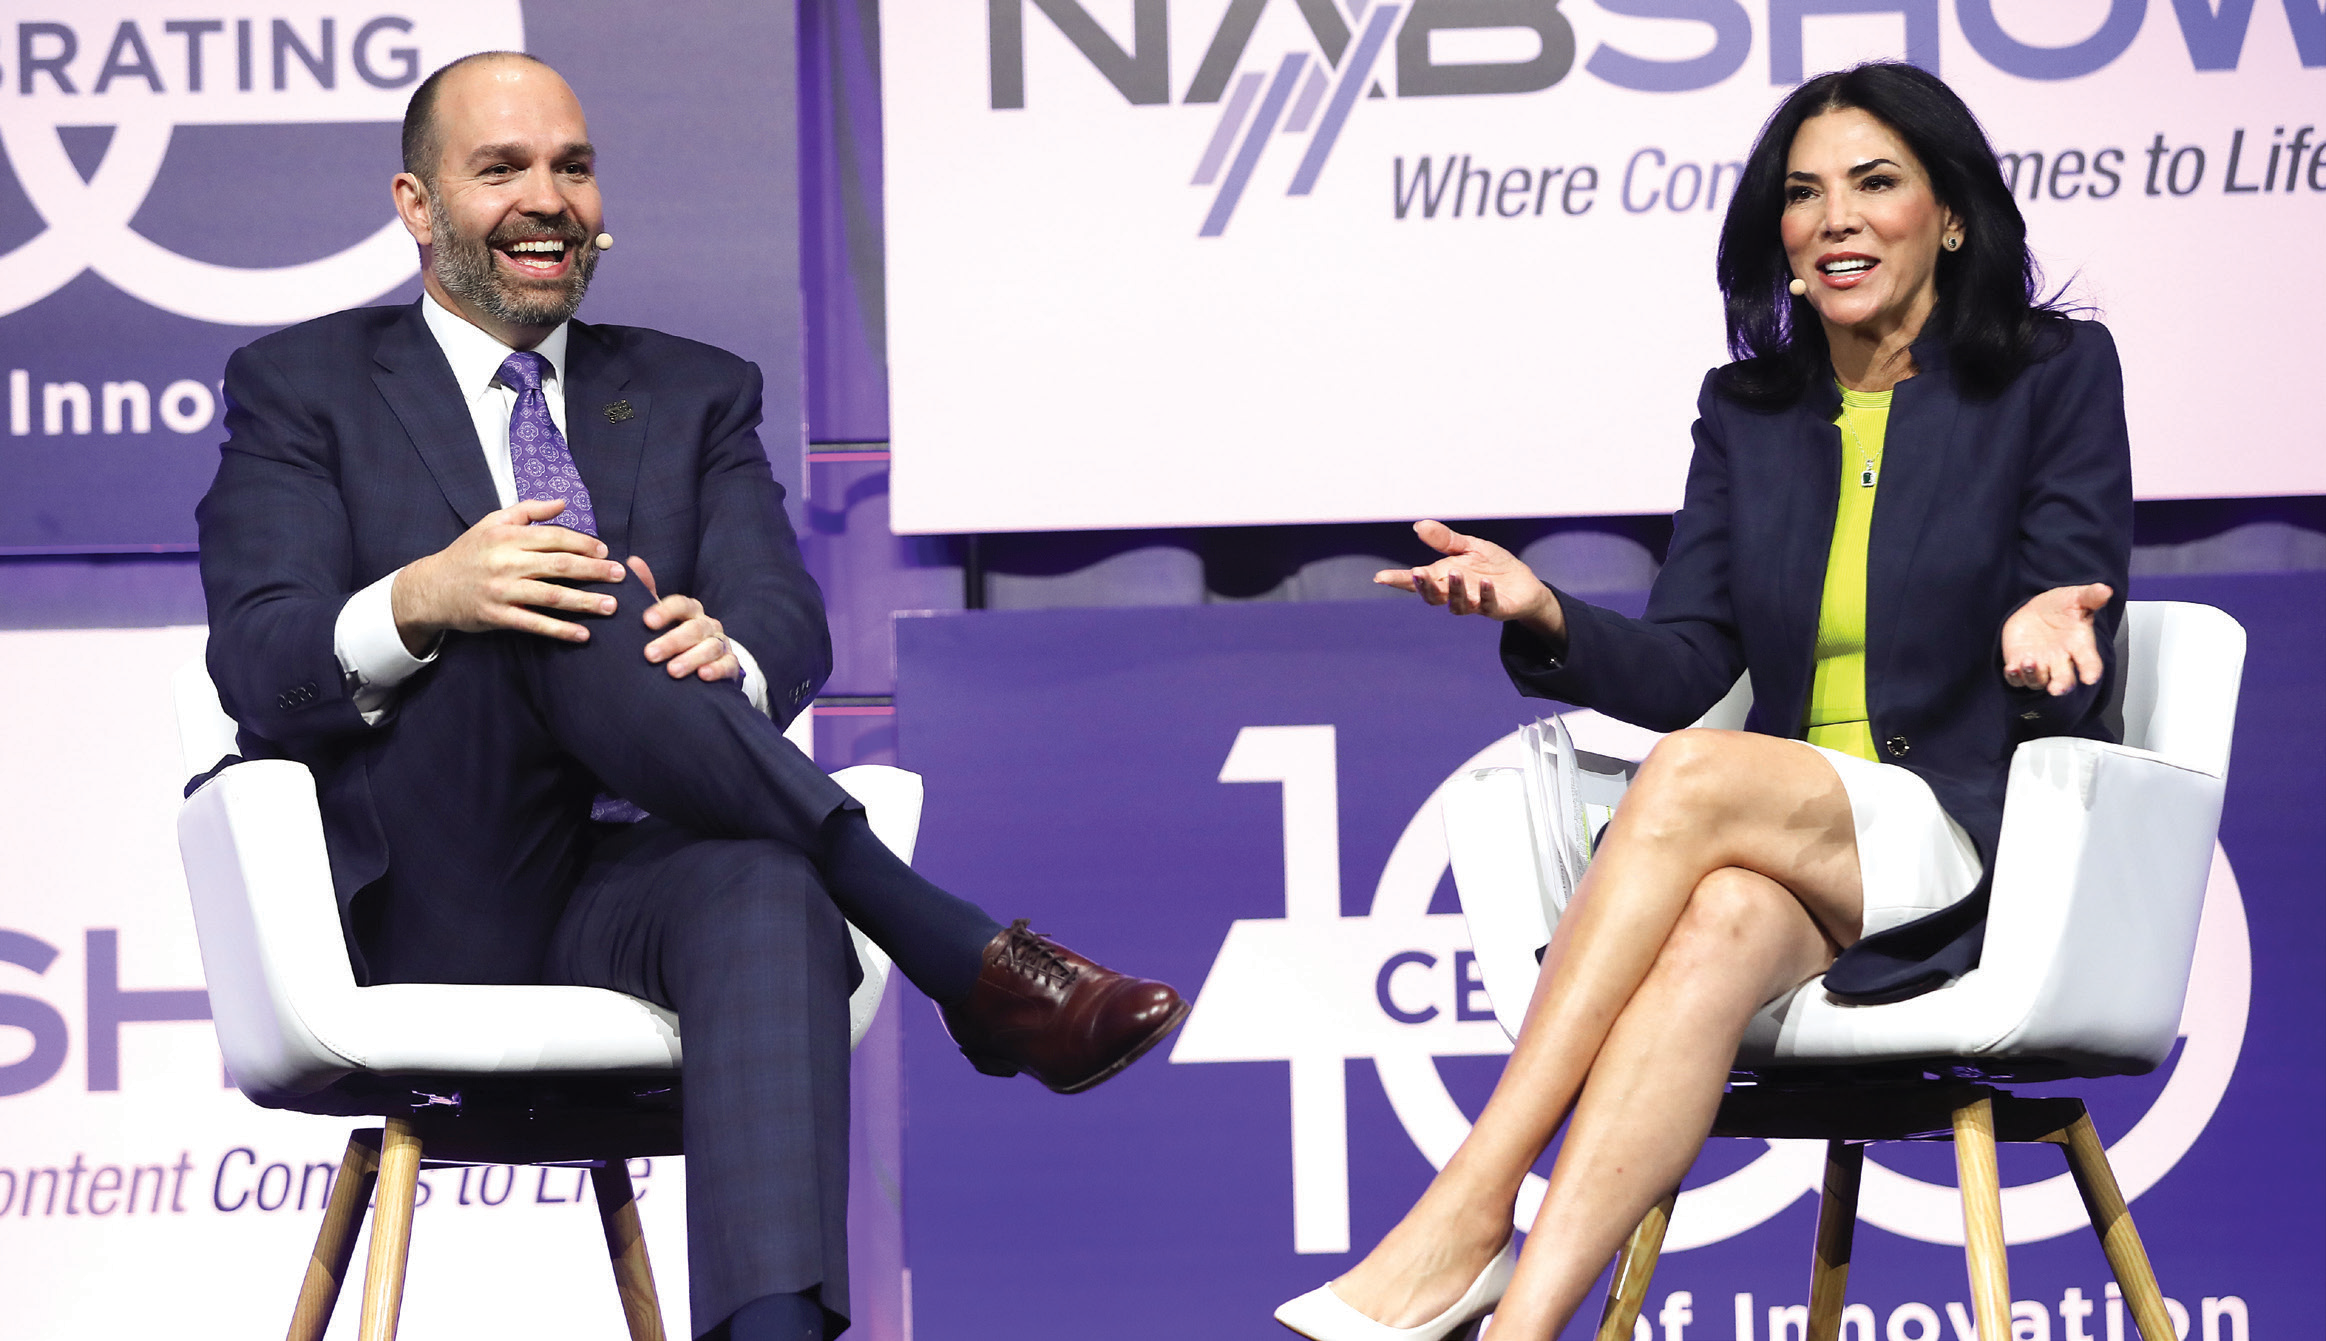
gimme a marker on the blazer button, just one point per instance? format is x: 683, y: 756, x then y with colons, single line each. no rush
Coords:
x: 1898, y: 746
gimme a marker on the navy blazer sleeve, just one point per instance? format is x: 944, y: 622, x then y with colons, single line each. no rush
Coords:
x: 277, y: 560
x: 750, y: 575
x: 2075, y: 515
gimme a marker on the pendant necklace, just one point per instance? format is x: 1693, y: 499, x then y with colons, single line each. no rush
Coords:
x: 1866, y: 476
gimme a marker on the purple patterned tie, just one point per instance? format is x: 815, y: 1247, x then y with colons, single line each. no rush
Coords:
x: 537, y: 451
x: 545, y: 469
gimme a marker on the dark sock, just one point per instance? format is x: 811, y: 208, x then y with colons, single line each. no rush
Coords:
x: 773, y: 1317
x: 938, y: 941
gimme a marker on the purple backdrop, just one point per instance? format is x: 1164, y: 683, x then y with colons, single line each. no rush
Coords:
x: 720, y: 83
x: 1071, y: 759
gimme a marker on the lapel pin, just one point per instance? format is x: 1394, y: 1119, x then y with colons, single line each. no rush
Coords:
x: 618, y: 411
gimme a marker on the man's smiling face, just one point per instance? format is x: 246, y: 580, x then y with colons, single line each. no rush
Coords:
x: 514, y: 207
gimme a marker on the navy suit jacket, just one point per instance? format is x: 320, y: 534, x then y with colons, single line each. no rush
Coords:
x: 1983, y: 503
x: 351, y: 452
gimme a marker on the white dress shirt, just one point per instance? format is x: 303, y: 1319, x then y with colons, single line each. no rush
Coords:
x: 370, y: 650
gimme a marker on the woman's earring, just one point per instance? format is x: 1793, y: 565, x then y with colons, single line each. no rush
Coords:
x: 1798, y: 287
x: 1954, y: 243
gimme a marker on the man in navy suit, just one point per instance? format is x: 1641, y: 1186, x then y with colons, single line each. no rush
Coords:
x: 540, y: 764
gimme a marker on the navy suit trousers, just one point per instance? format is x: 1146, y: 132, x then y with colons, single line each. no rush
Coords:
x: 739, y: 937
x: 482, y: 782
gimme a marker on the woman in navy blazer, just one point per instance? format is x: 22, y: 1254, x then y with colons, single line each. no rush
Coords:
x: 1872, y: 245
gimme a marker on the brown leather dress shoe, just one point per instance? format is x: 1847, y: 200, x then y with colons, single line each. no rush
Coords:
x: 1040, y: 1008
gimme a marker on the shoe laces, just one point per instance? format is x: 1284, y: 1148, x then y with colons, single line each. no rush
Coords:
x: 1026, y: 951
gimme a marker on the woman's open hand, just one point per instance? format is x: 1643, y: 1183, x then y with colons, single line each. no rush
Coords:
x: 2048, y: 643
x: 1477, y: 577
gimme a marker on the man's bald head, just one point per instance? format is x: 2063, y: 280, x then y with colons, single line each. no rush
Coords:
x: 500, y: 191
x: 423, y: 131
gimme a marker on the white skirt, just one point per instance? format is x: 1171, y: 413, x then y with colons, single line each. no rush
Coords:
x: 1913, y: 859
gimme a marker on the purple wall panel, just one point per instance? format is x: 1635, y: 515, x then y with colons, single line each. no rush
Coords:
x: 696, y: 123
x: 1071, y: 760
x: 865, y: 570
x: 715, y: 257
x: 842, y: 280
x: 108, y: 591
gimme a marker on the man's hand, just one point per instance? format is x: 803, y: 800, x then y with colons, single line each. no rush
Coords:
x: 696, y: 644
x: 501, y: 574
x: 2048, y: 642
x: 1478, y: 577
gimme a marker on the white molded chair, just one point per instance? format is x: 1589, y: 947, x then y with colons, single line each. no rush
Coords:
x: 475, y: 1073
x: 2099, y: 880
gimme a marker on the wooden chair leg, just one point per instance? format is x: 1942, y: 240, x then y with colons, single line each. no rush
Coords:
x: 626, y: 1245
x: 2112, y: 1222
x: 335, y: 1241
x: 1982, y: 1190
x: 399, y: 1185
x: 1837, y: 1224
x: 1627, y: 1290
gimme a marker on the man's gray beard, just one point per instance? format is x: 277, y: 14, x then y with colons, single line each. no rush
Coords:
x: 464, y: 266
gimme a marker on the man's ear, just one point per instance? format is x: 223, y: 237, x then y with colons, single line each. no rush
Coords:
x: 414, y: 207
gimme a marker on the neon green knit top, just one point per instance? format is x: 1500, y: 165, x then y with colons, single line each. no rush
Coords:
x: 1837, y: 695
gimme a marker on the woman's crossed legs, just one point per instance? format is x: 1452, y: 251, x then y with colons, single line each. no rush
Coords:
x: 1728, y: 876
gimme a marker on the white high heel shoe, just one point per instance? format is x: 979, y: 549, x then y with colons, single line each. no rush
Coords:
x: 1321, y: 1315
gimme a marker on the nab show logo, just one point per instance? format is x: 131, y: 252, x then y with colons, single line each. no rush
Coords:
x: 1400, y: 987
x: 1314, y: 92
x: 1311, y: 94
x: 141, y: 69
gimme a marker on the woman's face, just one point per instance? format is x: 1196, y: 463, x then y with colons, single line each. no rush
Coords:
x: 1862, y: 226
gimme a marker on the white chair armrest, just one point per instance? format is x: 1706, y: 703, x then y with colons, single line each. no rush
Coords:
x: 205, y: 732
x: 252, y: 843
x: 2183, y: 703
x: 471, y: 1028
x: 1499, y: 884
x: 289, y: 1016
x: 892, y: 805
x: 2100, y: 879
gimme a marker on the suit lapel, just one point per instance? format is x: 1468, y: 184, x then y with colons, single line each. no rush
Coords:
x: 605, y: 427
x: 420, y: 388
x: 1917, y: 451
x: 1812, y: 474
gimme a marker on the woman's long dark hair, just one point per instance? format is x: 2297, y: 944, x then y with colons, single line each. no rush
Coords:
x: 1988, y: 313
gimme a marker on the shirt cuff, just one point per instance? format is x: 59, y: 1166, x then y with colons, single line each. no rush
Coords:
x: 371, y: 652
x: 754, y: 682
